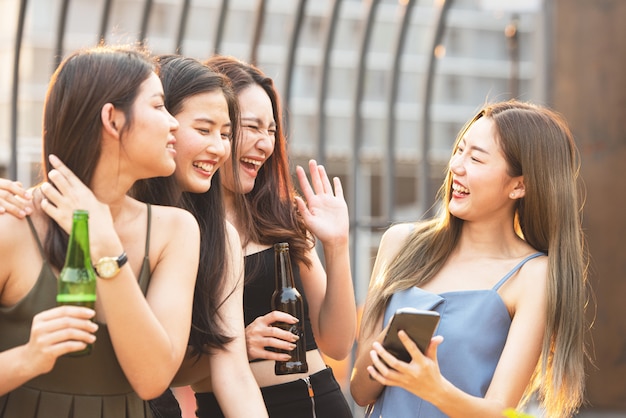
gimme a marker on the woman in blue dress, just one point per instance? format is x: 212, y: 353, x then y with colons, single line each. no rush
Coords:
x: 504, y: 266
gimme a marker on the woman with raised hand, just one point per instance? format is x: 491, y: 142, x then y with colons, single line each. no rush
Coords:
x: 105, y: 127
x: 503, y: 264
x: 263, y: 206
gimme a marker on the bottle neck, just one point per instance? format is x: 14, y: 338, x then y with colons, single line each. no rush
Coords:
x: 78, y: 254
x: 284, y: 273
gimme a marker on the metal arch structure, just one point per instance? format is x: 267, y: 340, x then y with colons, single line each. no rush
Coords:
x: 331, y: 23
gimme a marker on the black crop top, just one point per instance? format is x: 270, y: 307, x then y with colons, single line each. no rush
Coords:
x: 259, y: 285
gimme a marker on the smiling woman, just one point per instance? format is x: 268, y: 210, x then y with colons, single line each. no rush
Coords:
x: 206, y: 108
x: 498, y: 268
x: 105, y: 127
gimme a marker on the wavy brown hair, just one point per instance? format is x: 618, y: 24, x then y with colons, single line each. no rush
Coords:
x: 538, y: 145
x: 268, y: 213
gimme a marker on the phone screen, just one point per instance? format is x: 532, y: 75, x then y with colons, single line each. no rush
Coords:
x: 419, y: 325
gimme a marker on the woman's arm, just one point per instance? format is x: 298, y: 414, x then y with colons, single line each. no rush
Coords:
x: 363, y: 388
x: 329, y: 291
x: 231, y: 377
x: 145, y: 331
x: 226, y: 371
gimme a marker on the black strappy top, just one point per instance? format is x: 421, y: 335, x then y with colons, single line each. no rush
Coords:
x: 259, y: 286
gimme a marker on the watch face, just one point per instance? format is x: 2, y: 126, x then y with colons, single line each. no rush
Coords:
x: 107, y: 268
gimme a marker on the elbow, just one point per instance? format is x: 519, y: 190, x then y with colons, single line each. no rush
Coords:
x: 337, y: 353
x: 359, y: 399
x: 149, y: 393
x: 337, y: 349
x: 151, y: 388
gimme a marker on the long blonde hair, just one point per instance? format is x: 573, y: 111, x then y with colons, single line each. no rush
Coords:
x: 537, y: 144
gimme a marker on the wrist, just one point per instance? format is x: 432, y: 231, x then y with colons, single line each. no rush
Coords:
x: 108, y: 267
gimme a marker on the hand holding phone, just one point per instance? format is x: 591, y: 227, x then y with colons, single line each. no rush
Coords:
x: 417, y: 323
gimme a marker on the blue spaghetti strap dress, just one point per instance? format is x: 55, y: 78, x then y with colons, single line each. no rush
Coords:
x: 474, y: 324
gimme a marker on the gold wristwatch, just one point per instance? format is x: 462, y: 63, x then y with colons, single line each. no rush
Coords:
x: 108, y: 267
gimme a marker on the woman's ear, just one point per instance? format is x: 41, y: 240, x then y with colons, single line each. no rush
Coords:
x: 519, y: 190
x: 112, y: 120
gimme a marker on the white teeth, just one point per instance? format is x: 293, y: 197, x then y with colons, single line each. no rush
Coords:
x: 171, y: 146
x: 460, y: 189
x: 204, y: 166
x: 250, y: 161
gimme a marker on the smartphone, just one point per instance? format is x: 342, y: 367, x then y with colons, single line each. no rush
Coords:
x: 417, y: 323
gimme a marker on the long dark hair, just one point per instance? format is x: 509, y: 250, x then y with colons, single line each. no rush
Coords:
x: 267, y: 214
x: 537, y: 144
x: 72, y: 128
x: 183, y: 78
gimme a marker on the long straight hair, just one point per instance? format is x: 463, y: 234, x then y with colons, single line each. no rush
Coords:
x: 538, y: 145
x: 183, y: 78
x: 72, y: 127
x: 267, y: 214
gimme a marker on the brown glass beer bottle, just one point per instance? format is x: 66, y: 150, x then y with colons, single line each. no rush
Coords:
x: 286, y: 298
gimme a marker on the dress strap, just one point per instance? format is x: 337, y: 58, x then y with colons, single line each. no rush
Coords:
x: 515, y: 269
x: 34, y: 231
x: 148, y: 229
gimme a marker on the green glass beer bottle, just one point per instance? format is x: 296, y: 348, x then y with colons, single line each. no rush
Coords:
x: 286, y: 298
x: 77, y: 281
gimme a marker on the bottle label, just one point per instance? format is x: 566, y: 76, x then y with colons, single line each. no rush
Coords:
x: 73, y: 298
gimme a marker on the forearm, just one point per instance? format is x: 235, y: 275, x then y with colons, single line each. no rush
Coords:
x: 16, y: 369
x: 139, y: 338
x: 232, y: 380
x: 457, y: 404
x: 363, y: 388
x: 337, y: 316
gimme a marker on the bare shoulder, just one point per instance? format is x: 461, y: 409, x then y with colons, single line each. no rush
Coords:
x: 529, y: 287
x: 19, y: 255
x: 395, y: 238
x: 15, y: 235
x: 175, y: 218
x: 534, y: 272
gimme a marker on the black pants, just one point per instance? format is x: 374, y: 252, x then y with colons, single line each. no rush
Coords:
x: 291, y: 400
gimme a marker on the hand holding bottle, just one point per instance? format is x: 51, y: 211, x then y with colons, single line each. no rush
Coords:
x: 56, y: 332
x: 261, y: 335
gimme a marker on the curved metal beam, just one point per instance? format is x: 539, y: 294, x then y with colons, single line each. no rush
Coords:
x: 182, y: 26
x: 104, y: 21
x: 258, y: 31
x: 145, y: 18
x: 426, y: 199
x: 290, y: 62
x: 58, y: 45
x: 219, y: 27
x: 19, y: 35
x: 355, y: 221
x: 329, y: 40
x: 390, y: 167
